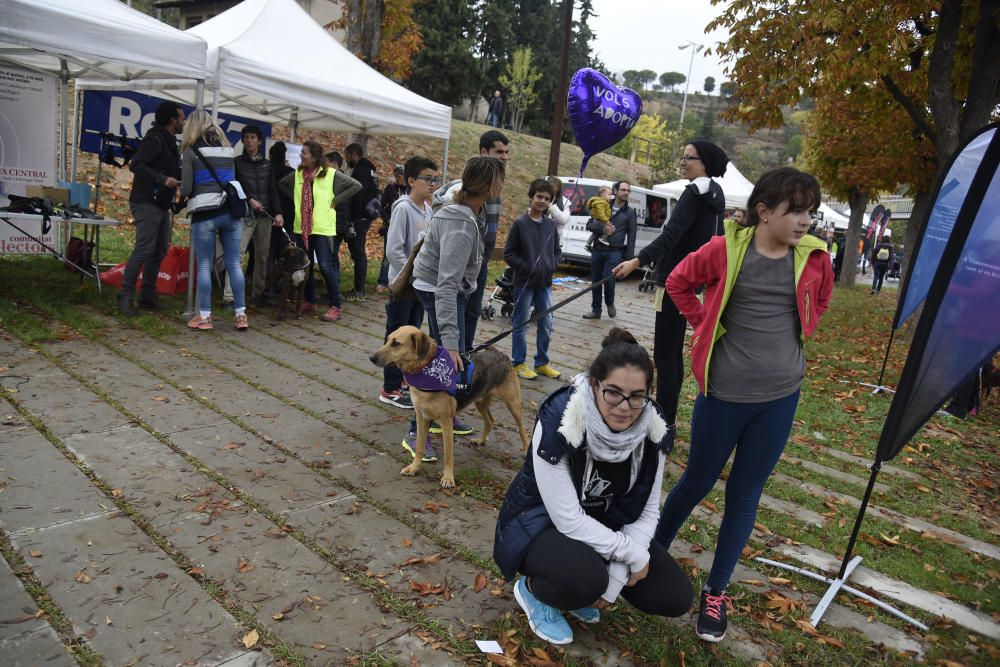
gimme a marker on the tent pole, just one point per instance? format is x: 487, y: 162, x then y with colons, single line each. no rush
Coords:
x: 293, y: 124
x: 885, y: 361
x: 216, y: 94
x: 444, y: 168
x: 199, y: 99
x: 76, y: 133
x: 63, y: 120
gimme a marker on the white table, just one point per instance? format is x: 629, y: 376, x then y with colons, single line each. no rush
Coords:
x: 30, y: 241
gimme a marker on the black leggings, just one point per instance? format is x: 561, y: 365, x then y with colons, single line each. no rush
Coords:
x: 668, y: 355
x: 567, y: 574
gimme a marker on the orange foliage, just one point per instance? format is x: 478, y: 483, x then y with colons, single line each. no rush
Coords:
x: 401, y: 39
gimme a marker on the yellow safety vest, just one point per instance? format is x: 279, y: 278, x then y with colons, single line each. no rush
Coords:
x: 324, y: 217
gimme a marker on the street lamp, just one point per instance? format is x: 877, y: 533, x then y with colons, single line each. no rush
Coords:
x: 695, y: 48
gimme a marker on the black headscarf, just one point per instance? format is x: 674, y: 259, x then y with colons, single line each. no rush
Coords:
x: 713, y: 157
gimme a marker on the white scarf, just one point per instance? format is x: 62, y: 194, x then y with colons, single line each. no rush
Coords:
x: 603, y: 443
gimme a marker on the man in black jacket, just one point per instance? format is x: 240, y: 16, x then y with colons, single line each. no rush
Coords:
x: 157, y: 168
x: 254, y: 173
x: 363, y: 172
x: 617, y: 242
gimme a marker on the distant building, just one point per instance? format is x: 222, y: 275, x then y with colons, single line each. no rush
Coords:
x: 194, y: 12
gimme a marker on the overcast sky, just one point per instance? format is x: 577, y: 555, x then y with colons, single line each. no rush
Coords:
x: 645, y: 34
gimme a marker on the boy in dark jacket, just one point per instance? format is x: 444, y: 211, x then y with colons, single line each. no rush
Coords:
x: 882, y: 257
x: 531, y: 250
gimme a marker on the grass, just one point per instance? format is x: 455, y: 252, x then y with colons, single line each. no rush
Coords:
x: 41, y: 303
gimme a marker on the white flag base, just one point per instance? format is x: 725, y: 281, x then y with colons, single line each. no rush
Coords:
x: 877, y: 387
x: 837, y: 585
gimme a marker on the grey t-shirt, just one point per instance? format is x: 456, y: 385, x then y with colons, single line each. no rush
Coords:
x: 759, y: 358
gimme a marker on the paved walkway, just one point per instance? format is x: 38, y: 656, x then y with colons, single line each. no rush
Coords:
x: 235, y: 499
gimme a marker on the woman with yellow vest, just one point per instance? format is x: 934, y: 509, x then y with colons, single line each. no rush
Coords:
x: 314, y: 186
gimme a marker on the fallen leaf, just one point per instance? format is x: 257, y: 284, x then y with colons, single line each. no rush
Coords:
x: 35, y: 554
x: 196, y: 571
x: 278, y: 616
x: 806, y: 626
x: 81, y: 578
x: 480, y: 582
x: 17, y: 619
x: 407, y: 542
x: 244, y: 565
x: 251, y: 638
x: 889, y: 540
x: 751, y: 582
x: 107, y: 620
x: 779, y: 581
x: 832, y: 641
x: 318, y: 646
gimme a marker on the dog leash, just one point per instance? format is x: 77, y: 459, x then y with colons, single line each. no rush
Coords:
x: 499, y: 337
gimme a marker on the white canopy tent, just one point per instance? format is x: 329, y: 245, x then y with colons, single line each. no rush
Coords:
x: 737, y: 189
x: 269, y: 60
x: 735, y: 186
x: 103, y: 40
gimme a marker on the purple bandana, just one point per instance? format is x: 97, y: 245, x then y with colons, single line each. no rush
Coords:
x: 438, y: 375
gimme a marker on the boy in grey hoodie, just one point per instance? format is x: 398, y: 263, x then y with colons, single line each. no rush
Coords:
x: 409, y: 219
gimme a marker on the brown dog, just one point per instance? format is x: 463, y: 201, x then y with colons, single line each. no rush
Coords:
x: 411, y: 350
x: 291, y: 267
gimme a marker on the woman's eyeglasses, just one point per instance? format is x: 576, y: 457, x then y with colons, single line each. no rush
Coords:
x: 689, y: 158
x: 614, y: 398
x: 430, y: 180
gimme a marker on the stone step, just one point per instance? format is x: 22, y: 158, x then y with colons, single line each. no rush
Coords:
x: 26, y: 639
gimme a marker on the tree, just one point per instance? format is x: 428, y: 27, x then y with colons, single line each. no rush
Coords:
x: 519, y: 79
x: 709, y: 84
x: 632, y: 79
x: 401, y: 40
x: 364, y: 27
x: 445, y: 69
x: 794, y: 146
x: 646, y: 77
x: 672, y: 79
x: 654, y: 137
x: 932, y: 58
x: 841, y: 133
x: 727, y: 88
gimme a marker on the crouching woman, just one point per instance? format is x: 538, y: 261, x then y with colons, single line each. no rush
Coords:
x: 579, y: 517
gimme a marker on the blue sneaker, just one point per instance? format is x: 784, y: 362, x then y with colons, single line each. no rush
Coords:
x: 459, y: 427
x: 587, y: 614
x: 547, y: 622
x: 410, y: 445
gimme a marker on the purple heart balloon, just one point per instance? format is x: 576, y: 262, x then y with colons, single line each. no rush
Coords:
x: 602, y: 114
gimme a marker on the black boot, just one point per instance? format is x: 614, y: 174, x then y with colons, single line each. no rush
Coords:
x: 126, y: 307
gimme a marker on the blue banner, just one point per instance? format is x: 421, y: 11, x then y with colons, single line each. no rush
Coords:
x: 930, y: 245
x: 959, y: 328
x: 129, y: 114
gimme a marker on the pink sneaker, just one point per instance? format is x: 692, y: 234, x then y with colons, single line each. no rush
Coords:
x: 240, y: 322
x: 307, y: 307
x: 332, y: 315
x: 200, y: 323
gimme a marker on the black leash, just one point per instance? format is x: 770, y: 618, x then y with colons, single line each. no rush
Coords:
x: 499, y: 337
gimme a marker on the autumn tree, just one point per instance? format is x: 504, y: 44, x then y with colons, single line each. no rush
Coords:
x: 932, y: 57
x: 670, y: 80
x: 859, y: 144
x: 657, y: 144
x: 400, y: 41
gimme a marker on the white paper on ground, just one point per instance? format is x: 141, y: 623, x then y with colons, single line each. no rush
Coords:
x: 489, y: 646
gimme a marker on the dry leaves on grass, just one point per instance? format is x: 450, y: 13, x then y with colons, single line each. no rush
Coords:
x: 250, y: 639
x: 426, y: 588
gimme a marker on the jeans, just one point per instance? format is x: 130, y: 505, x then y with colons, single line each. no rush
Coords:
x: 258, y: 231
x: 568, y: 574
x: 475, y: 299
x: 524, y: 299
x: 329, y: 266
x: 399, y: 312
x: 356, y: 247
x: 383, y: 271
x: 427, y: 301
x: 203, y: 233
x: 601, y: 263
x: 879, y: 270
x: 758, y: 432
x: 152, y: 237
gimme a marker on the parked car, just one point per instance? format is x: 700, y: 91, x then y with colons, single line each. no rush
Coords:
x: 652, y: 210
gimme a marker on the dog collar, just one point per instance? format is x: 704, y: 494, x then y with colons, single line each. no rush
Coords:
x: 439, y: 374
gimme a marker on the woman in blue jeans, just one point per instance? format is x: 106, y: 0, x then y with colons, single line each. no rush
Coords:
x: 766, y: 286
x: 205, y: 150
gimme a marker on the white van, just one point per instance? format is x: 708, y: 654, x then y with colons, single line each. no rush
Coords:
x: 652, y: 209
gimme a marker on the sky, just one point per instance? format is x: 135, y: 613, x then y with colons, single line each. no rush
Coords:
x: 645, y: 34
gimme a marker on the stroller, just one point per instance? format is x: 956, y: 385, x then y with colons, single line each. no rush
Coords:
x: 503, y: 292
x: 648, y: 283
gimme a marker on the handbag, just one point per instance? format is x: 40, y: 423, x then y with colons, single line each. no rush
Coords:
x: 401, y: 286
x: 233, y: 197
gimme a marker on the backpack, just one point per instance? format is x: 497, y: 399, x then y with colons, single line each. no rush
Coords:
x: 883, y: 254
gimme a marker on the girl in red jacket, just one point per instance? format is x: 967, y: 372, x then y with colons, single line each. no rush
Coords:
x: 767, y: 284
